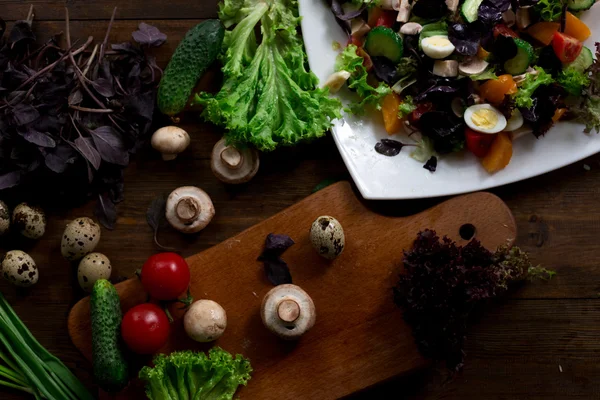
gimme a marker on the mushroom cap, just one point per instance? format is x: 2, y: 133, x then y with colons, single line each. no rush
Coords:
x: 189, y: 209
x: 232, y: 165
x: 170, y: 141
x: 472, y: 66
x: 92, y: 267
x: 19, y: 269
x: 288, y: 311
x: 81, y: 237
x: 205, y: 321
x: 4, y: 218
x: 29, y: 221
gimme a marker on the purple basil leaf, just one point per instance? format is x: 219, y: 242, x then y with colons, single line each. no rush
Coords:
x: 10, y: 179
x: 142, y: 105
x: 126, y: 47
x: 502, y: 5
x: 385, y: 69
x: 488, y: 14
x: 75, y: 97
x: 389, y: 147
x: 149, y: 35
x: 104, y: 87
x: 39, y: 138
x: 436, y: 92
x: 21, y: 31
x: 339, y: 13
x: 59, y: 158
x: 430, y: 9
x: 465, y: 38
x: 2, y: 27
x: 275, y: 246
x: 87, y: 150
x: 110, y: 145
x: 431, y: 164
x: 25, y: 114
x: 106, y: 211
x: 277, y: 271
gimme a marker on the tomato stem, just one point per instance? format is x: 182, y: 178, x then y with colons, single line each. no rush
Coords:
x: 187, y: 300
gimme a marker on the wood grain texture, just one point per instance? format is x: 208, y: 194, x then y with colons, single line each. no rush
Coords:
x: 556, y: 214
x: 359, y: 339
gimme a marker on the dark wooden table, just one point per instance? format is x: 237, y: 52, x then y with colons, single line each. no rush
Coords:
x: 541, y: 343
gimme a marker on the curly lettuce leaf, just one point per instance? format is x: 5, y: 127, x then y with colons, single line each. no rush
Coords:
x: 188, y: 375
x: 489, y: 73
x: 531, y: 83
x: 549, y: 10
x: 406, y: 107
x: 350, y: 61
x: 268, y: 97
x: 573, y: 81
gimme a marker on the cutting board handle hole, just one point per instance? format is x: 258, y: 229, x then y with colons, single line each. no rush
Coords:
x: 467, y: 231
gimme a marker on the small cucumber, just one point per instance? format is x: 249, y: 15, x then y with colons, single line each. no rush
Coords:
x: 384, y: 42
x: 583, y: 60
x: 580, y: 5
x: 196, y: 52
x: 519, y: 63
x: 110, y: 368
x: 470, y: 10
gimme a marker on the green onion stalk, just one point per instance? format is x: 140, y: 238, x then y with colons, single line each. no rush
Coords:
x: 27, y: 366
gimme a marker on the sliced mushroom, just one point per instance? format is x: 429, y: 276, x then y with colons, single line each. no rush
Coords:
x: 359, y: 28
x: 472, y: 66
x: 404, y: 11
x: 458, y: 107
x: 523, y: 17
x: 189, y: 209
x: 233, y: 165
x: 170, y: 141
x: 288, y: 311
x: 411, y: 28
x: 445, y: 68
x: 509, y: 17
x: 452, y: 5
x: 521, y: 78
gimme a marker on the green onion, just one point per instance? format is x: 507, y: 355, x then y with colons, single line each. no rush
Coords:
x: 29, y: 367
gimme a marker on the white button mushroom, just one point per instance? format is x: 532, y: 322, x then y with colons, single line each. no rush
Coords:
x: 19, y: 269
x: 327, y: 237
x: 189, y: 209
x: 472, y: 66
x: 92, y: 267
x: 411, y: 28
x: 81, y: 237
x: 232, y: 165
x: 4, y: 218
x: 445, y: 68
x: 205, y: 321
x: 29, y: 221
x: 170, y: 141
x: 288, y: 311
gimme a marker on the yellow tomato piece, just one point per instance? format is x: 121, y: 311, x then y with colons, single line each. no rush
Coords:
x: 499, y: 154
x: 543, y: 32
x: 494, y: 90
x: 558, y: 114
x: 577, y: 28
x: 389, y: 109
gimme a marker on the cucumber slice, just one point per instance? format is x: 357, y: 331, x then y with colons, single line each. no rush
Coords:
x: 583, y: 60
x: 580, y: 5
x: 470, y: 9
x: 384, y: 42
x: 519, y: 63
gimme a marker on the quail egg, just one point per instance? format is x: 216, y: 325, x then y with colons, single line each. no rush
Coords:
x: 327, y: 237
x: 437, y: 47
x: 19, y: 269
x: 4, y: 218
x: 92, y: 267
x: 29, y: 221
x: 485, y: 118
x: 81, y: 237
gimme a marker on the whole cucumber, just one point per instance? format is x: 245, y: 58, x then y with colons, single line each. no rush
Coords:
x: 110, y: 368
x: 196, y: 52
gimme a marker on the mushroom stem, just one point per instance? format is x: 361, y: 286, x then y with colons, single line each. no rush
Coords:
x: 288, y: 311
x: 187, y: 209
x: 169, y: 157
x: 232, y: 157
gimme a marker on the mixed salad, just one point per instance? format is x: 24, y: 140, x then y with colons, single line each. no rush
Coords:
x: 472, y: 74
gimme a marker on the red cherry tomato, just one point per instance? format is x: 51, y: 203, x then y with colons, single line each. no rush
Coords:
x: 387, y: 18
x: 358, y: 42
x: 501, y: 29
x: 367, y: 62
x: 145, y: 328
x: 165, y: 276
x: 421, y: 109
x: 566, y: 47
x: 478, y: 143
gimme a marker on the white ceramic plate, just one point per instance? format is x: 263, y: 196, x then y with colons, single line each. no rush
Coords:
x: 401, y: 177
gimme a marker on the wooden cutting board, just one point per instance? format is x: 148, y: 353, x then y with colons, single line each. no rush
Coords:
x: 359, y: 338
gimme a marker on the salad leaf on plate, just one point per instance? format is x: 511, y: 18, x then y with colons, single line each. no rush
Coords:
x: 350, y: 61
x: 573, y: 81
x: 488, y: 74
x: 589, y: 110
x: 445, y: 129
x: 532, y: 82
x: 406, y: 107
x: 465, y: 38
x: 268, y: 98
x: 549, y: 10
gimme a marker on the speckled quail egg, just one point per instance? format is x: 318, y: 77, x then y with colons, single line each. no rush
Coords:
x: 92, y: 267
x: 19, y: 269
x: 327, y: 237
x: 81, y: 237
x: 29, y: 221
x: 437, y: 47
x: 4, y: 218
